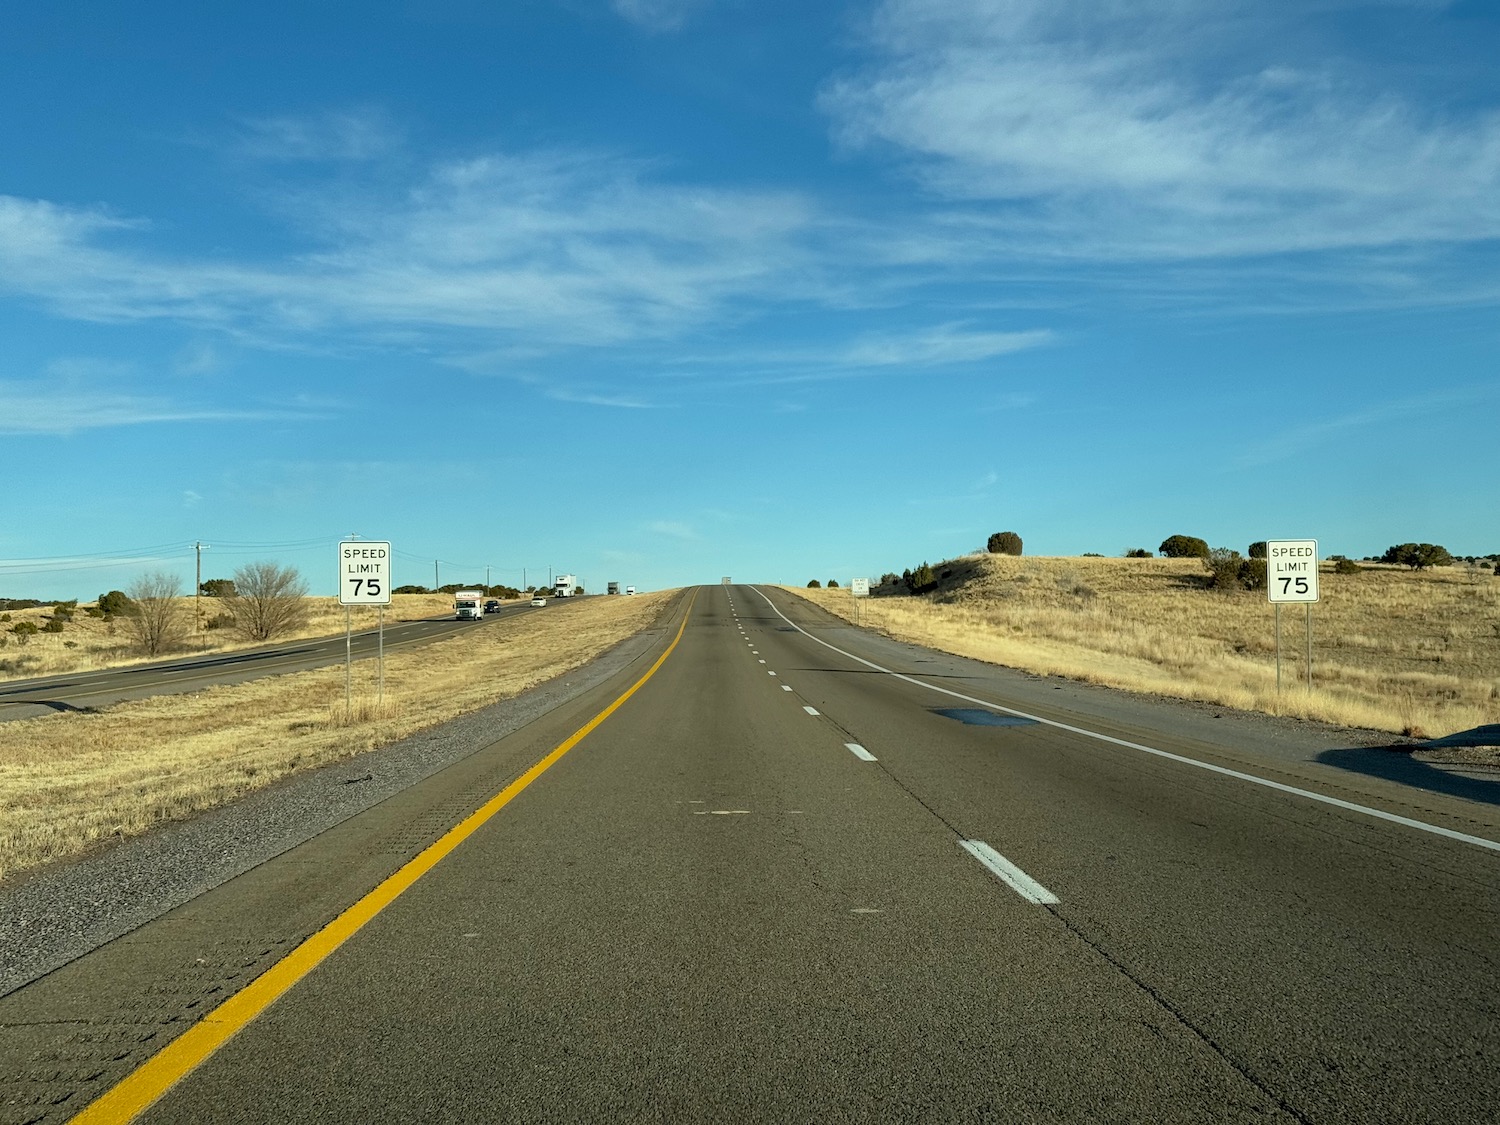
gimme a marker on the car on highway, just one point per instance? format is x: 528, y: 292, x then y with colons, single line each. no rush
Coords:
x: 538, y: 601
x: 492, y: 606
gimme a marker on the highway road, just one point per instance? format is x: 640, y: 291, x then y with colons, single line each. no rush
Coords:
x: 782, y: 877
x: 81, y: 691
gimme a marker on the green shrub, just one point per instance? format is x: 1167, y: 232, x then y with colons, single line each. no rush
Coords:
x: 1346, y: 566
x: 1418, y: 556
x: 1228, y: 571
x: 815, y: 585
x: 24, y: 631
x: 114, y: 603
x: 1138, y: 553
x: 1004, y: 543
x: 1257, y: 549
x: 1184, y: 547
x: 922, y: 579
x: 833, y: 583
x: 1092, y: 555
x: 55, y: 624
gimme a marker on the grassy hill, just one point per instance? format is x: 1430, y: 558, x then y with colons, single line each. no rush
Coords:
x: 1406, y: 651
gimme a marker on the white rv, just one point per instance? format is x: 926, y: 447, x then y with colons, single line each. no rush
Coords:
x: 468, y: 605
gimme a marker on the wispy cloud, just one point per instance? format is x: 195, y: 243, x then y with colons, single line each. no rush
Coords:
x: 657, y: 15
x: 50, y: 408
x: 672, y: 529
x: 335, y: 135
x: 615, y: 401
x: 933, y: 347
x: 1328, y: 431
x: 541, y: 250
x: 1161, y: 128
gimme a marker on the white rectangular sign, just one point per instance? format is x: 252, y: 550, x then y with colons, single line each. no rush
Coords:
x: 1292, y: 570
x: 364, y: 573
x: 859, y: 587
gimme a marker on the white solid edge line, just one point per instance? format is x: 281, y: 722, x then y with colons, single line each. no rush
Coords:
x: 810, y: 710
x: 1009, y: 874
x: 859, y: 751
x: 1347, y: 806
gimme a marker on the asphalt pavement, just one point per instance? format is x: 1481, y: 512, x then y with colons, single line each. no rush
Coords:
x: 802, y: 874
x: 82, y: 691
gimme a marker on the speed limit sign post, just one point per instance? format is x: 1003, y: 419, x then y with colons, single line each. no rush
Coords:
x: 1292, y: 576
x: 364, y: 579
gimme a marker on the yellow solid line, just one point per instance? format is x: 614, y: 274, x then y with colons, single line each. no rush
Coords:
x: 139, y: 1089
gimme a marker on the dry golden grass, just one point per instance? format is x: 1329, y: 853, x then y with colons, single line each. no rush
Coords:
x: 87, y: 643
x: 1408, y: 652
x: 69, y: 780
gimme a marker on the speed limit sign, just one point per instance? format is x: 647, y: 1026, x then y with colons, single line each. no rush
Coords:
x: 1292, y: 570
x: 364, y: 573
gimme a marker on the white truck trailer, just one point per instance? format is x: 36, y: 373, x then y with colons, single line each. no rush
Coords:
x: 468, y: 605
x: 565, y: 586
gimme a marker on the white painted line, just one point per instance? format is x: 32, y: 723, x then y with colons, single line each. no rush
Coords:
x: 1347, y: 806
x: 859, y: 751
x: 810, y: 710
x: 1009, y: 874
x: 760, y: 662
x: 770, y: 673
x: 786, y: 687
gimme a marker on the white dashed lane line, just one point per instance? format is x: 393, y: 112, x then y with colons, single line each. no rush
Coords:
x: 1009, y: 874
x: 810, y: 710
x: 859, y: 751
x: 786, y: 687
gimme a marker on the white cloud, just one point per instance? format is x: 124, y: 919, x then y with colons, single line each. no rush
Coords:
x: 945, y: 344
x: 657, y: 15
x: 546, y: 250
x: 1165, y: 128
x: 64, y: 408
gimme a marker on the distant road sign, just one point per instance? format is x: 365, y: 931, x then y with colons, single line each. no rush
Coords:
x: 1292, y: 570
x: 364, y: 573
x: 859, y: 587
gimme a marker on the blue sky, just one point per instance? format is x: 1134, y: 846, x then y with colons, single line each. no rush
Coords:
x: 664, y: 290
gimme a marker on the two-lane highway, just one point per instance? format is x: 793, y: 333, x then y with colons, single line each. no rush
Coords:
x: 756, y: 877
x: 81, y: 691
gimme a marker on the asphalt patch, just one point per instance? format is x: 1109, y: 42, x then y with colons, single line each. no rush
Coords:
x: 979, y: 717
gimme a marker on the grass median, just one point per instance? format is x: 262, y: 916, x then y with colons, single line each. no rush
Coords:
x: 71, y: 781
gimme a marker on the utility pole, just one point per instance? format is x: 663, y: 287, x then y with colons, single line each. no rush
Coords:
x: 486, y: 580
x: 435, y: 582
x: 198, y: 549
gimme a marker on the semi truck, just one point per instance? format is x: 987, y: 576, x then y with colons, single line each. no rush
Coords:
x: 565, y: 586
x: 468, y: 605
x: 614, y: 588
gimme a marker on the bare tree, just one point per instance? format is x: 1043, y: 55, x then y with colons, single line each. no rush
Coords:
x: 268, y: 600
x: 155, y: 617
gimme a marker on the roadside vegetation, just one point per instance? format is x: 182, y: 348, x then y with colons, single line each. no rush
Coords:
x: 70, y: 781
x: 1414, y: 650
x: 43, y: 640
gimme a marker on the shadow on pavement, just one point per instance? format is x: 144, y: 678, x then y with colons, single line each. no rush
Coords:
x: 1395, y: 763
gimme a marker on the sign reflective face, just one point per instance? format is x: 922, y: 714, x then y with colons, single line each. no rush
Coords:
x: 1292, y: 570
x: 859, y: 587
x: 364, y: 573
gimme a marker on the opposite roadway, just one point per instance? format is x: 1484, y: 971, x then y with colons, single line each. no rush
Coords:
x: 778, y: 883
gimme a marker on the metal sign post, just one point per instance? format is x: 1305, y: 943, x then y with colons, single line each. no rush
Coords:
x: 364, y: 579
x: 1292, y: 576
x: 860, y: 588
